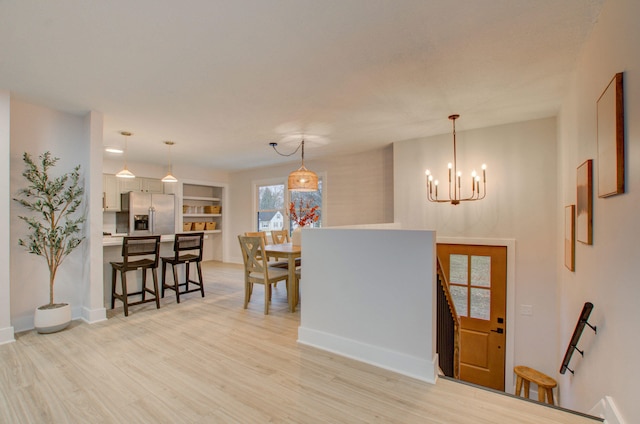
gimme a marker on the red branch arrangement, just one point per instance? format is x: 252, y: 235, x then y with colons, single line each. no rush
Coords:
x: 301, y: 217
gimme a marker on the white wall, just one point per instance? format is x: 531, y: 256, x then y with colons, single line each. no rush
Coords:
x: 358, y: 187
x: 36, y: 129
x: 6, y: 329
x: 521, y: 205
x: 607, y: 271
x: 369, y: 302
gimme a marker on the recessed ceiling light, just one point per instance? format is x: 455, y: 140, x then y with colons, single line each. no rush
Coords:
x: 113, y: 150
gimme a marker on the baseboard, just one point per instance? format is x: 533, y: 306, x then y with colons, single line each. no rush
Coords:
x: 92, y: 316
x: 607, y: 409
x: 401, y: 363
x: 6, y: 335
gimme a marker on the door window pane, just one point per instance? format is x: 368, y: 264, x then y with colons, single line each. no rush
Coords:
x: 480, y: 303
x: 481, y: 271
x: 458, y: 265
x: 459, y: 295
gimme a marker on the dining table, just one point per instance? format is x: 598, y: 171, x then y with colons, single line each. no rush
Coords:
x: 290, y: 252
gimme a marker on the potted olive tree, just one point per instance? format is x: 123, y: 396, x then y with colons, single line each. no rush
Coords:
x: 54, y: 228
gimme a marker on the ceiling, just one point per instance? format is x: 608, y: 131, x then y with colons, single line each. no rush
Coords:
x: 223, y: 78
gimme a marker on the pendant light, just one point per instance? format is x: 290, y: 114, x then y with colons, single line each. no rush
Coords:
x: 302, y: 179
x: 125, y: 173
x: 169, y: 178
x: 455, y: 176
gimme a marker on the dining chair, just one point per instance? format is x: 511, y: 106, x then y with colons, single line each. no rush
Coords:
x: 187, y: 249
x: 148, y: 249
x: 273, y: 262
x: 280, y: 236
x: 257, y: 270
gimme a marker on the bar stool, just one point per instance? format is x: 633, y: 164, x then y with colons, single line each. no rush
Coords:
x: 529, y: 375
x: 191, y: 242
x: 148, y: 246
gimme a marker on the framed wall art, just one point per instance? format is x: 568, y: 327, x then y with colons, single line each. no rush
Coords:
x: 584, y: 221
x: 611, y: 139
x: 569, y: 237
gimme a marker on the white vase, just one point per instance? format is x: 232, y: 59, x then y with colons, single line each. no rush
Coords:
x: 49, y: 319
x: 296, y: 236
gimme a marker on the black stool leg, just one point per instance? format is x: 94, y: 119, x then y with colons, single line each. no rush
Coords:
x: 144, y: 283
x: 187, y: 265
x: 154, y: 271
x: 164, y: 275
x: 175, y: 282
x: 123, y: 280
x: 113, y: 286
x: 200, y: 277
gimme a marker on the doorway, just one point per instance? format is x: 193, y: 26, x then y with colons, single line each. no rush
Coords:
x: 477, y: 276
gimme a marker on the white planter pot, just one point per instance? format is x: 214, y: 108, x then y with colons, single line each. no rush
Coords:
x: 51, y: 319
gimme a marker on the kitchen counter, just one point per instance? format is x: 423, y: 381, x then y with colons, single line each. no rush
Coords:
x: 116, y: 240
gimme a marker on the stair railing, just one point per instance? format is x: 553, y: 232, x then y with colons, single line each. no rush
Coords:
x: 573, y: 344
x: 448, y: 328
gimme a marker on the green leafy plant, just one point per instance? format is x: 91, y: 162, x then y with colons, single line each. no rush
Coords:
x: 55, y: 229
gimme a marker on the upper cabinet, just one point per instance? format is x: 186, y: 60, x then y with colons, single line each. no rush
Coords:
x: 113, y: 186
x: 110, y: 193
x: 145, y: 185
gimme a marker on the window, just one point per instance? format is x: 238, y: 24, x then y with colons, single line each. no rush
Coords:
x: 272, y: 205
x: 271, y: 210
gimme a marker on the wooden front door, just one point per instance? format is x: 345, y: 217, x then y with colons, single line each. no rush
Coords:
x: 477, y: 278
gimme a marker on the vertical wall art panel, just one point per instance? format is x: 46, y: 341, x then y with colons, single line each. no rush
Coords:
x: 569, y: 237
x: 611, y: 139
x: 584, y: 227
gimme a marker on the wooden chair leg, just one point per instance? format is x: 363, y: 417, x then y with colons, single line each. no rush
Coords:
x: 144, y: 284
x: 175, y: 283
x: 113, y: 287
x: 247, y: 293
x: 123, y: 280
x: 526, y: 389
x: 154, y: 272
x: 550, y: 396
x: 518, y: 385
x: 164, y: 276
x: 200, y: 278
x: 187, y: 265
x: 267, y: 298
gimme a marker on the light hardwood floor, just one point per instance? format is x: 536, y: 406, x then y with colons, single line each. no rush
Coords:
x: 209, y: 360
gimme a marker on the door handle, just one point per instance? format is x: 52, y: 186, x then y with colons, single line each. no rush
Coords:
x: 499, y: 331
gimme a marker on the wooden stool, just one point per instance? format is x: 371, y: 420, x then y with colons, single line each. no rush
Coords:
x: 529, y: 375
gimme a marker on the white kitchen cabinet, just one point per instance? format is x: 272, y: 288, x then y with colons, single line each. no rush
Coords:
x: 110, y: 193
x: 144, y: 185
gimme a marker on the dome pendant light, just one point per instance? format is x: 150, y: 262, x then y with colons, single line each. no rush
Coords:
x: 301, y: 179
x: 169, y: 178
x: 125, y: 173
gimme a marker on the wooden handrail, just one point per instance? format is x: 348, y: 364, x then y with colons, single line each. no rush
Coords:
x: 575, y: 338
x: 444, y: 286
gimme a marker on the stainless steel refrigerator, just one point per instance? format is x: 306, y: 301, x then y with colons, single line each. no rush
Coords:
x: 146, y: 214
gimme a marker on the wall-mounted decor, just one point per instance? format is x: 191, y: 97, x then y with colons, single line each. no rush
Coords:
x: 611, y: 139
x: 584, y: 223
x: 569, y: 237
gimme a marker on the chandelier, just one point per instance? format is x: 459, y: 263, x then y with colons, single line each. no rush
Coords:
x: 302, y: 179
x: 455, y: 180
